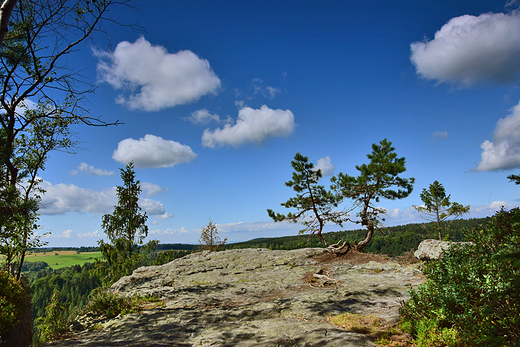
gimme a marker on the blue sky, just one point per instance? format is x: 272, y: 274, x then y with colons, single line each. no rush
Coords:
x: 217, y: 97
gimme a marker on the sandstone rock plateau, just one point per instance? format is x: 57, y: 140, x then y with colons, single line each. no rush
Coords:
x: 254, y: 297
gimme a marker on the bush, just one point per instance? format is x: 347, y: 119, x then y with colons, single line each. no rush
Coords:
x: 12, y: 302
x: 110, y: 305
x: 54, y: 323
x: 471, y: 294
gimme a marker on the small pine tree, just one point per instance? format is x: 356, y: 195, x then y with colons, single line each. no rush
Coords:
x: 209, y: 239
x: 125, y: 227
x: 54, y: 323
x: 438, y: 207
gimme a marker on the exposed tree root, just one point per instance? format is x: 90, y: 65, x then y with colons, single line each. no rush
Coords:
x: 323, y: 278
x: 337, y: 250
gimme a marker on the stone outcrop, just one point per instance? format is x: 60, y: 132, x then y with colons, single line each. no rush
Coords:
x: 432, y: 249
x: 254, y: 297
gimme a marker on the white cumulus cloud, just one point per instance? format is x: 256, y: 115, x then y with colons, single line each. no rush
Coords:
x: 90, y: 170
x: 325, y: 165
x: 62, y: 198
x: 152, y: 151
x: 253, y: 125
x: 155, y: 78
x: 504, y: 152
x: 154, y: 208
x: 469, y: 49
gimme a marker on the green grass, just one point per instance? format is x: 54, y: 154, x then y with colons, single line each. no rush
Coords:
x: 64, y: 258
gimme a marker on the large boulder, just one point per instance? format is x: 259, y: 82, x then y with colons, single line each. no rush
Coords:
x: 433, y: 249
x: 254, y: 297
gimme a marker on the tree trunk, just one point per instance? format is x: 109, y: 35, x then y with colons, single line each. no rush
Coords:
x: 370, y: 232
x: 5, y: 14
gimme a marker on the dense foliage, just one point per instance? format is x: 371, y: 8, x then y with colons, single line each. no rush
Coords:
x: 12, y: 302
x: 470, y: 296
x: 54, y: 322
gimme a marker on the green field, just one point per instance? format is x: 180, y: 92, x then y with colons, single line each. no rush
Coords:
x: 64, y: 258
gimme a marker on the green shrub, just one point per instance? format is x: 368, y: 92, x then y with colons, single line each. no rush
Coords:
x: 54, y: 323
x: 430, y: 334
x: 110, y: 305
x: 473, y: 289
x: 12, y: 302
x: 105, y: 303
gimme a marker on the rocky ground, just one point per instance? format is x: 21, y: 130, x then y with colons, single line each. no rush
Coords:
x: 254, y: 297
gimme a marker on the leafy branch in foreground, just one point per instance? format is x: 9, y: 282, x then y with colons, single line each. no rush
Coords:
x: 40, y: 98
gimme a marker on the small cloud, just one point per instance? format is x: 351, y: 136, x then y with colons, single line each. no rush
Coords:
x: 70, y: 234
x: 165, y: 215
x: 481, y: 211
x: 152, y: 189
x: 153, y: 152
x: 469, y: 50
x: 90, y: 170
x: 154, y: 208
x: 325, y: 165
x: 252, y: 126
x: 504, y: 152
x: 169, y: 231
x: 203, y: 116
x: 266, y: 91
x: 439, y: 136
x: 155, y: 78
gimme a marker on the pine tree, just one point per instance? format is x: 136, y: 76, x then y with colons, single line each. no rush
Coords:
x: 125, y: 227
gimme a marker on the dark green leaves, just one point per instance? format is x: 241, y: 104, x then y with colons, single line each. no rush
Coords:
x: 125, y: 227
x: 314, y: 204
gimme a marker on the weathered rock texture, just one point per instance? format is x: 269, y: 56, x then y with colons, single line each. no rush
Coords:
x: 254, y: 297
x: 432, y: 249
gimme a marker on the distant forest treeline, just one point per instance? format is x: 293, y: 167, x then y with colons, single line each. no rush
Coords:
x: 392, y: 241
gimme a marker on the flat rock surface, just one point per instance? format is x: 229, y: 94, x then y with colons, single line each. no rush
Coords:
x: 254, y: 297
